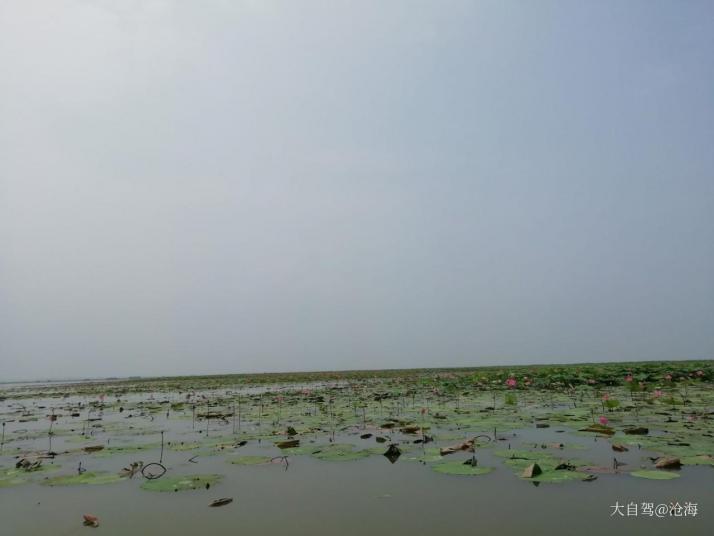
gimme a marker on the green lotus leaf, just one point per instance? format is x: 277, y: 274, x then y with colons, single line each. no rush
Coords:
x: 15, y: 477
x: 527, y: 454
x: 460, y: 468
x: 126, y: 449
x: 557, y: 476
x: 654, y: 474
x: 338, y: 452
x: 182, y: 447
x: 702, y: 459
x: 303, y: 450
x: 250, y: 460
x: 84, y: 478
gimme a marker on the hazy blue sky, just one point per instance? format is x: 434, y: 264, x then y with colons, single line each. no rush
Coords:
x: 202, y: 187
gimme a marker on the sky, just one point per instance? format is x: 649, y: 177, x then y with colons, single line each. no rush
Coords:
x: 226, y: 186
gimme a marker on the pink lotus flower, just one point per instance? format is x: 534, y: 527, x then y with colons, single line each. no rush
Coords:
x: 603, y: 420
x: 628, y: 378
x: 700, y: 373
x: 657, y: 393
x: 511, y: 382
x: 606, y: 396
x: 668, y: 377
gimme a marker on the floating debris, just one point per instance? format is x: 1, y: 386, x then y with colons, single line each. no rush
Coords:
x: 466, y: 445
x: 221, y: 502
x: 181, y: 483
x: 531, y: 471
x: 638, y: 430
x: 91, y: 520
x: 393, y: 453
x: 28, y: 465
x: 599, y: 429
x: 133, y: 468
x: 668, y: 462
x: 289, y: 444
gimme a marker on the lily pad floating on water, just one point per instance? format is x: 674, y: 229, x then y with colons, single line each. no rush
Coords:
x: 181, y: 482
x: 84, y: 478
x: 305, y: 449
x: 339, y: 452
x: 18, y: 476
x: 459, y: 468
x: 526, y: 464
x: 558, y: 476
x: 250, y: 460
x: 182, y: 447
x: 27, y: 470
x: 702, y: 459
x: 653, y: 474
x: 7, y: 481
x: 126, y: 449
x: 519, y: 454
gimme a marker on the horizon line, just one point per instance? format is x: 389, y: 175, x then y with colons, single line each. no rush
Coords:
x: 327, y: 371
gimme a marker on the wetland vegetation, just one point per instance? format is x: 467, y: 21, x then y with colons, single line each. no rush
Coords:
x: 573, y: 427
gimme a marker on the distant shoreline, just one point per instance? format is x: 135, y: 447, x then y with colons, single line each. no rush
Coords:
x: 73, y: 381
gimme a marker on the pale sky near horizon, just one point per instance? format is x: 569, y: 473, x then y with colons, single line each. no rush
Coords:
x: 226, y: 186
